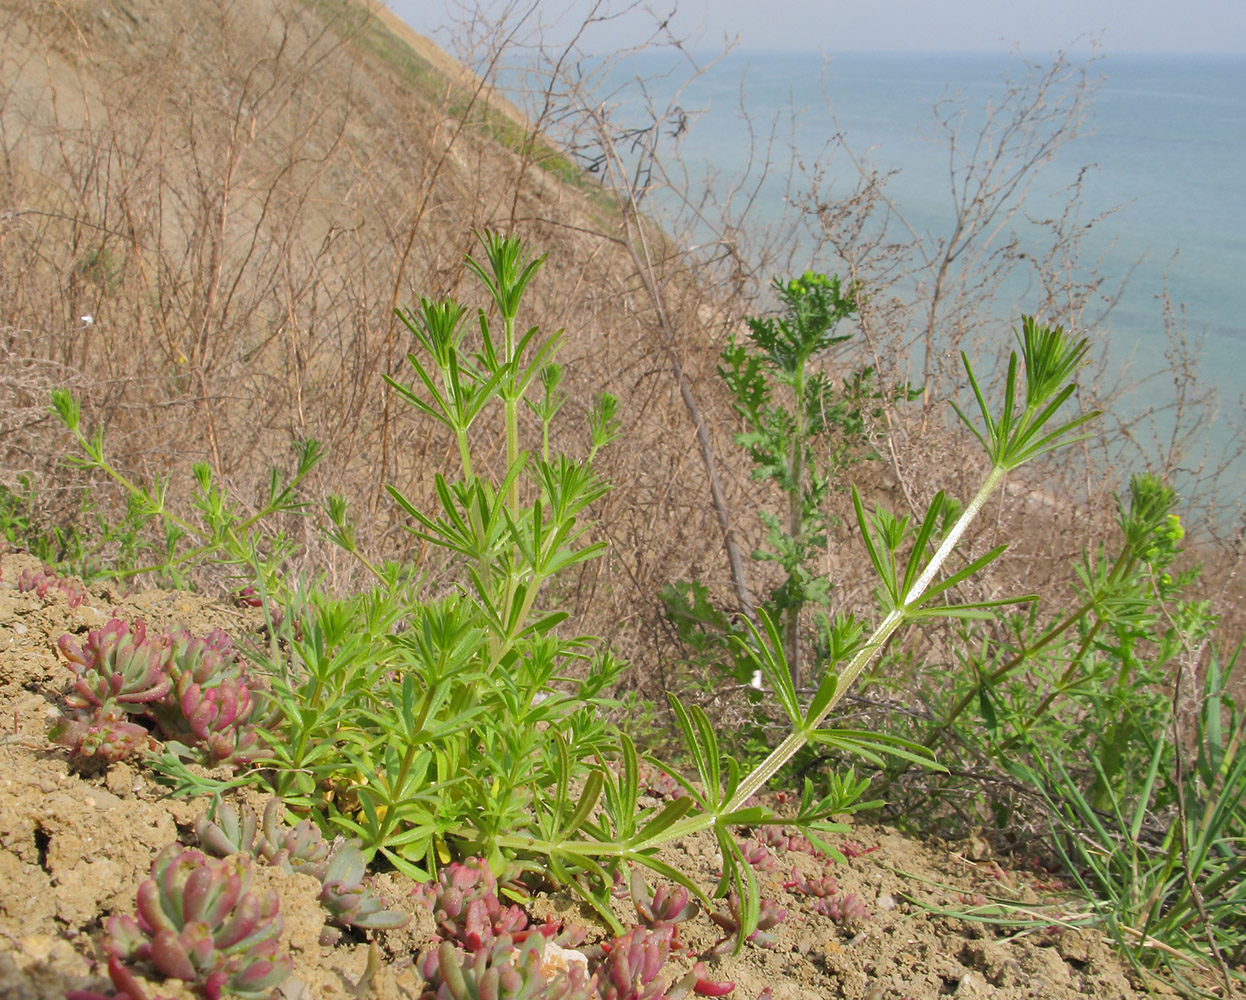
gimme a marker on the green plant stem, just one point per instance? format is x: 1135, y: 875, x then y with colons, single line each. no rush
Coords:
x: 799, y: 737
x: 512, y: 414
x: 795, y: 518
x: 894, y: 619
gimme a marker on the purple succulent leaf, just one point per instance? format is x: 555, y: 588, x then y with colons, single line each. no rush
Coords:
x: 196, y: 940
x: 169, y: 956
x: 42, y: 581
x: 821, y: 887
x: 631, y: 969
x: 105, y: 736
x: 242, y: 923
x: 152, y: 917
x: 215, y: 983
x: 260, y: 975
x: 118, y: 662
x: 205, y: 660
x: 227, y: 830
x: 299, y: 848
x: 123, y: 981
x: 450, y: 972
x: 209, y: 893
x: 125, y: 937
x: 341, y: 900
x: 197, y: 922
x: 219, y: 717
x: 660, y: 906
x: 347, y: 866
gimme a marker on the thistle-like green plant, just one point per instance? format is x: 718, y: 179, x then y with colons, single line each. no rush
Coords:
x: 802, y: 433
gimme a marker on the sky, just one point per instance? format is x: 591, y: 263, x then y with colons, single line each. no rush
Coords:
x: 1212, y: 26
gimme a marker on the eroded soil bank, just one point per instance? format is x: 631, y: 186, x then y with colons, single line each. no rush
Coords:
x: 74, y: 848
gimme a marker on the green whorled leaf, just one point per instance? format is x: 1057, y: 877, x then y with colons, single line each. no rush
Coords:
x: 986, y: 705
x: 767, y: 655
x: 443, y: 412
x: 811, y: 834
x: 960, y: 576
x: 684, y: 721
x: 510, y: 270
x: 545, y: 624
x: 589, y: 797
x: 749, y: 816
x: 882, y: 567
x: 405, y: 865
x: 874, y: 746
x: 670, y: 814
x: 919, y: 552
x: 821, y: 698
x: 738, y: 875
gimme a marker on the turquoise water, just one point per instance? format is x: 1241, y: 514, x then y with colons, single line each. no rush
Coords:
x: 1168, y: 147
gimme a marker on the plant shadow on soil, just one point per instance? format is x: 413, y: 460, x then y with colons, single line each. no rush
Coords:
x: 74, y: 848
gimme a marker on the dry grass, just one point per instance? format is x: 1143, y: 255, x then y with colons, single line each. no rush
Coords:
x: 239, y: 195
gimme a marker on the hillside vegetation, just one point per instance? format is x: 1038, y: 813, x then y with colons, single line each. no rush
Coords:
x: 209, y: 217
x: 282, y: 289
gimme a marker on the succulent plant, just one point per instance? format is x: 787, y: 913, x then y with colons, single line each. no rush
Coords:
x: 758, y: 854
x: 490, y: 952
x: 299, y: 848
x: 344, y: 891
x: 465, y: 905
x: 41, y: 581
x: 347, y: 897
x: 780, y: 841
x: 123, y: 981
x: 851, y: 849
x: 505, y: 970
x: 119, y: 666
x: 632, y: 967
x: 197, y: 922
x: 657, y: 782
x: 770, y: 917
x: 662, y: 905
x: 820, y: 887
x: 106, y: 737
x: 222, y: 718
x: 193, y: 689
x: 250, y: 597
x: 208, y: 659
x: 118, y: 673
x: 225, y: 830
x: 848, y: 910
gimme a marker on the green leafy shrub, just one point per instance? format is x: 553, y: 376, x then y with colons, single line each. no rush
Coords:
x: 463, y: 723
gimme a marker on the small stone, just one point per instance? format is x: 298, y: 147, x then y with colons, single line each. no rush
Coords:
x: 557, y: 960
x: 120, y: 780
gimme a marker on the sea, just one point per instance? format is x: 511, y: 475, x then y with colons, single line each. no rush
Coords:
x: 1162, y: 158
